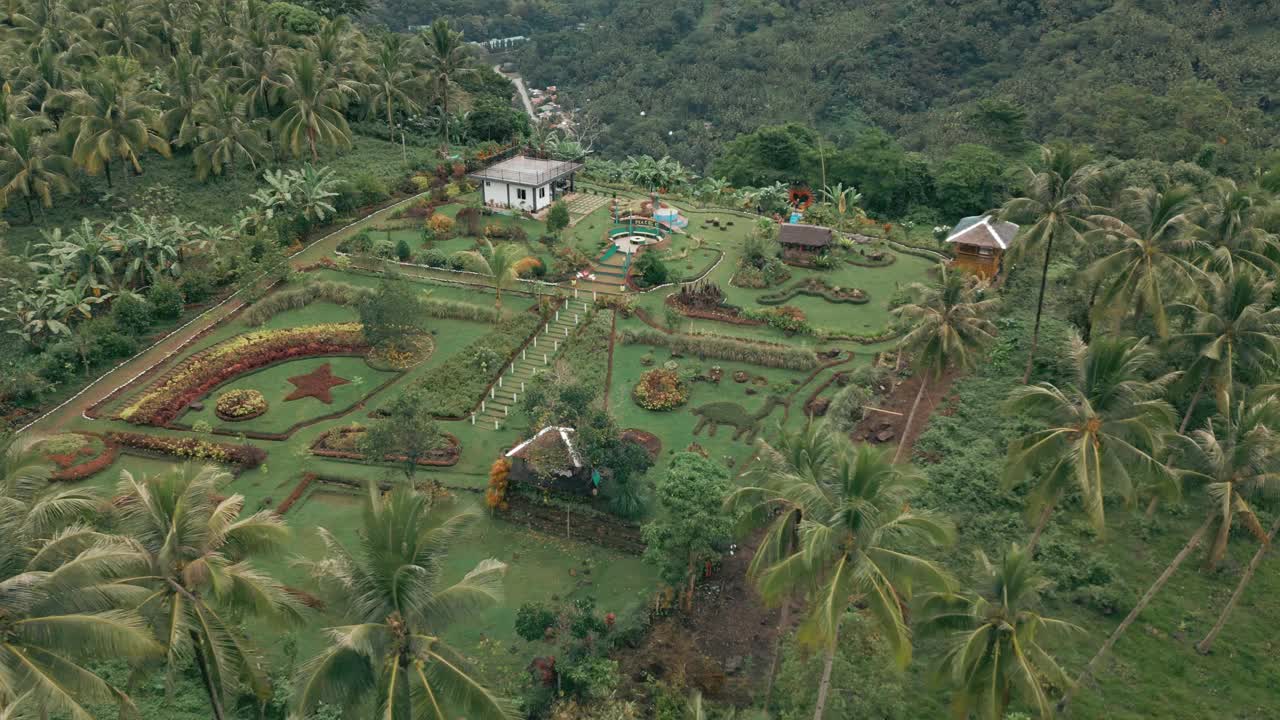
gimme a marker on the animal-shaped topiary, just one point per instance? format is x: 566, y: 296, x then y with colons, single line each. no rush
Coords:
x: 730, y: 413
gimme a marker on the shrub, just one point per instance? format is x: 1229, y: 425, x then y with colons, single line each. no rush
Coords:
x: 495, y: 498
x: 557, y: 218
x: 435, y: 258
x: 651, y: 270
x: 403, y: 252
x: 198, y: 286
x: 847, y: 408
x: 369, y: 189
x: 441, y: 226
x: 166, y: 299
x: 246, y: 456
x: 457, y: 310
x: 726, y: 348
x: 132, y: 314
x: 361, y: 242
x: 661, y: 389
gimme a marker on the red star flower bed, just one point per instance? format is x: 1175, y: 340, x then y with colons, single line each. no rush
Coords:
x: 318, y: 383
x: 166, y: 399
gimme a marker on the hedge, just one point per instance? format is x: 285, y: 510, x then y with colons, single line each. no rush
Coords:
x: 338, y: 293
x: 453, y: 388
x: 802, y: 287
x: 726, y: 348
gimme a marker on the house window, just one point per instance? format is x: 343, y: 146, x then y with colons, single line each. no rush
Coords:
x: 984, y: 251
x: 522, y: 194
x: 542, y: 191
x: 488, y: 183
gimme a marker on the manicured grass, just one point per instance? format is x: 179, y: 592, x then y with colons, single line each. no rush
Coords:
x: 283, y: 415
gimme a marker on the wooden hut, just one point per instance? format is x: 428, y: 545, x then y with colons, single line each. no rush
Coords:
x: 802, y: 242
x: 551, y: 461
x: 980, y: 243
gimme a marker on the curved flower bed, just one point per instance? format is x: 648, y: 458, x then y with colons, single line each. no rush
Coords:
x: 245, y: 456
x: 816, y: 287
x: 165, y: 400
x: 240, y: 404
x: 344, y: 444
x: 76, y: 455
x: 661, y: 390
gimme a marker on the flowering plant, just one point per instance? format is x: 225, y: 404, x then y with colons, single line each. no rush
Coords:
x: 661, y: 389
x: 240, y: 404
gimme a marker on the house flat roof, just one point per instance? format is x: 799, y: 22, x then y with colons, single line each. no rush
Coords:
x: 804, y: 235
x: 523, y: 170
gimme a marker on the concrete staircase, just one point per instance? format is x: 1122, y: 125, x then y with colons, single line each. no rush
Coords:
x: 610, y: 271
x: 498, y: 407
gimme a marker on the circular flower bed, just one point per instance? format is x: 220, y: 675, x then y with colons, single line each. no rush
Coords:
x: 402, y: 354
x: 239, y: 405
x: 661, y: 390
x: 76, y: 455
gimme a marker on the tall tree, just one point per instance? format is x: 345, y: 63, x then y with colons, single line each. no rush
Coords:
x: 950, y: 326
x: 314, y: 99
x: 392, y: 80
x: 30, y: 168
x: 855, y: 530
x: 199, y: 554
x: 1151, y: 266
x: 995, y: 649
x: 694, y: 527
x: 1236, y: 331
x: 391, y: 657
x: 448, y: 61
x: 63, y: 598
x: 1231, y: 232
x: 222, y: 134
x: 1056, y: 203
x: 1103, y: 431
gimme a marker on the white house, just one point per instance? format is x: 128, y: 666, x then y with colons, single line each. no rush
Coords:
x: 525, y: 183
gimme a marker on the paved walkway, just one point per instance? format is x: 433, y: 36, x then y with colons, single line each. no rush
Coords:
x: 170, y: 345
x: 521, y: 89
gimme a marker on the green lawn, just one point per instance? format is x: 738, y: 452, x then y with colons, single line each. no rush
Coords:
x: 283, y: 415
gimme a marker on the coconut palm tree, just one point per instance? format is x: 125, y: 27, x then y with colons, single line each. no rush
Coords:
x: 392, y: 80
x: 1103, y: 431
x: 113, y: 121
x: 854, y: 530
x: 448, y: 60
x: 1237, y: 457
x: 995, y: 650
x: 1057, y: 206
x: 1231, y: 234
x: 222, y: 135
x: 950, y: 326
x: 30, y: 168
x: 183, y: 95
x: 1236, y: 330
x: 1151, y: 266
x: 807, y: 452
x: 199, y: 551
x: 63, y: 601
x: 390, y: 658
x: 502, y: 264
x: 314, y: 98
x: 122, y: 28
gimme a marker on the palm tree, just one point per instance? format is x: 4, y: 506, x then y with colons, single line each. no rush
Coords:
x: 1056, y: 203
x: 29, y: 166
x: 198, y: 551
x: 995, y: 650
x: 1231, y: 234
x: 854, y: 530
x: 1150, y: 267
x: 222, y: 134
x: 390, y: 656
x: 122, y: 28
x: 807, y: 452
x: 950, y: 326
x: 448, y: 60
x: 1103, y: 432
x: 392, y: 80
x: 63, y: 596
x: 183, y: 95
x: 113, y: 121
x: 314, y: 98
x: 1238, y: 329
x: 502, y: 264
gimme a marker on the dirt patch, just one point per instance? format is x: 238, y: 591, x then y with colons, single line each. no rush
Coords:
x: 886, y: 422
x: 722, y: 647
x: 651, y: 443
x: 585, y: 525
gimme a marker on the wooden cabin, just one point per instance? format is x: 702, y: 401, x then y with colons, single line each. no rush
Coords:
x: 802, y: 242
x: 980, y: 243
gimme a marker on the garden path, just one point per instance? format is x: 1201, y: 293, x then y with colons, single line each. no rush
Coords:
x: 74, y: 407
x: 502, y: 398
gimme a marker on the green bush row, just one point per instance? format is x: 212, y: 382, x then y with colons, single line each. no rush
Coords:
x: 587, y: 355
x: 452, y: 388
x: 725, y: 348
x: 338, y: 293
x: 799, y: 288
x: 458, y: 310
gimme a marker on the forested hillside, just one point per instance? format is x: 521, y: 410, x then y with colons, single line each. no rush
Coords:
x: 1172, y: 80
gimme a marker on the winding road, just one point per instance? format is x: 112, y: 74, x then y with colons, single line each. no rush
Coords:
x: 520, y: 88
